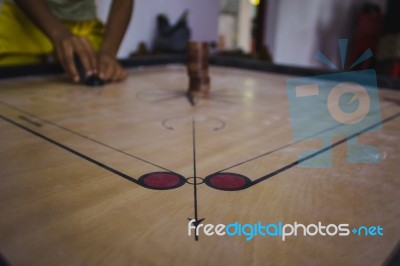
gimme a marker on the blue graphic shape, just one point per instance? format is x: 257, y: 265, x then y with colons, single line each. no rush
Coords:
x: 348, y: 104
x: 343, y: 50
x: 362, y: 153
x: 366, y: 55
x: 323, y: 160
x: 311, y: 118
x: 323, y: 59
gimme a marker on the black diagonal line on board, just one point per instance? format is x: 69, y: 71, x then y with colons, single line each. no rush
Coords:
x: 286, y: 145
x: 287, y: 167
x: 81, y: 155
x: 85, y: 137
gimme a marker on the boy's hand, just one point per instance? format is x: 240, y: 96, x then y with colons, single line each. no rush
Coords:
x: 103, y: 64
x: 68, y: 45
x: 109, y: 69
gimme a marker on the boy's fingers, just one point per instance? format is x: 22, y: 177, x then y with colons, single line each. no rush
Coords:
x: 102, y: 69
x: 60, y: 57
x: 90, y: 53
x: 68, y: 48
x: 110, y: 69
x: 83, y: 55
x: 68, y: 58
x: 108, y: 72
x: 121, y: 74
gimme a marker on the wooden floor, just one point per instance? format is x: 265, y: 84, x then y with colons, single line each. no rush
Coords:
x: 81, y: 174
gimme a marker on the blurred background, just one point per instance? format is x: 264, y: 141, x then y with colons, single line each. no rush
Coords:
x: 287, y: 32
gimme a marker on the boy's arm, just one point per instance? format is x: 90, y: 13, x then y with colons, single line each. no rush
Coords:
x: 65, y: 44
x: 117, y: 23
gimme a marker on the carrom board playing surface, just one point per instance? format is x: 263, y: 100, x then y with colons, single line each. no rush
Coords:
x: 112, y: 175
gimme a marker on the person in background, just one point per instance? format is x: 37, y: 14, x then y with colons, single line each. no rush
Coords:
x: 389, y: 43
x: 31, y: 30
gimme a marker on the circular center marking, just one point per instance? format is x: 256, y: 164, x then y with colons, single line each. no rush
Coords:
x: 190, y: 180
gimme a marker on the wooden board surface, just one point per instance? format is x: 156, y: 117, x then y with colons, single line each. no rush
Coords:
x: 73, y: 162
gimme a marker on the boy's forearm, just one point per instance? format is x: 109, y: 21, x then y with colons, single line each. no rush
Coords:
x: 117, y: 23
x: 41, y: 14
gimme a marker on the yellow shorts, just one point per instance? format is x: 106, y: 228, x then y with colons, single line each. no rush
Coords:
x: 22, y: 42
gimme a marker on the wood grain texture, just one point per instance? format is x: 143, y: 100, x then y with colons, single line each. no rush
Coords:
x: 58, y: 208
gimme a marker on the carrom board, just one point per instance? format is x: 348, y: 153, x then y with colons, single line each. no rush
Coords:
x: 112, y: 175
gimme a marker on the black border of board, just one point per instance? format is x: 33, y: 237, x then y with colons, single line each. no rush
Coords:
x: 225, y: 61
